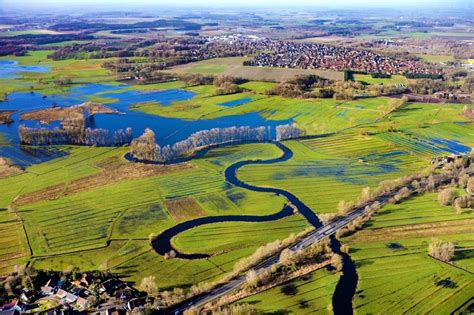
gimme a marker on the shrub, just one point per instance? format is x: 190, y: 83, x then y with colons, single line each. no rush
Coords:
x: 149, y: 286
x: 446, y: 196
x: 344, y: 207
x: 337, y: 262
x: 462, y: 202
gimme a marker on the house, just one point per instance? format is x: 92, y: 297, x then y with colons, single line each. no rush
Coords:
x: 27, y: 295
x: 124, y: 294
x: 71, y: 298
x: 110, y: 286
x: 47, y: 290
x: 82, y: 302
x: 108, y: 308
x: 61, y: 294
x: 10, y: 309
x: 134, y: 303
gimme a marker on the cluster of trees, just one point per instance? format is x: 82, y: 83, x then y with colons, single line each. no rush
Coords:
x: 227, y: 85
x: 288, y: 131
x: 307, y: 86
x: 428, y: 86
x: 448, y: 197
x: 144, y: 148
x: 290, y: 260
x: 64, y: 80
x: 77, y: 136
x: 196, y: 79
x: 430, y: 76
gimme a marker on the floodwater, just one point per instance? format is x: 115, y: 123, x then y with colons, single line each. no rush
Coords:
x: 11, y: 69
x: 167, y: 130
x: 237, y: 102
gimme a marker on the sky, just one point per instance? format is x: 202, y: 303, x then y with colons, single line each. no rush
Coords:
x: 321, y: 3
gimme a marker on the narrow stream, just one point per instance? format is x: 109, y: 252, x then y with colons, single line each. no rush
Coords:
x: 347, y: 285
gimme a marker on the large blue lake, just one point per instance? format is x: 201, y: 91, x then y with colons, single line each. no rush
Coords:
x: 167, y: 130
x: 11, y: 69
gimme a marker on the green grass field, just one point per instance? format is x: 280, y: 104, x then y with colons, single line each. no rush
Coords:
x: 436, y: 58
x: 233, y: 66
x: 402, y: 277
x: 395, y: 79
x: 310, y: 294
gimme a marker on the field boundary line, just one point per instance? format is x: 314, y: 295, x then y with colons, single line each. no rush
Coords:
x: 452, y: 265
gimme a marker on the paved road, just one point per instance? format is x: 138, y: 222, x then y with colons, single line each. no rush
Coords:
x: 313, y: 237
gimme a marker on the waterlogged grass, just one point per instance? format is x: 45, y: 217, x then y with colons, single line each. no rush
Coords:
x: 324, y: 171
x: 79, y: 163
x: 80, y: 71
x: 310, y: 294
x: 316, y: 116
x: 418, y: 114
x: 395, y: 272
x: 202, y: 106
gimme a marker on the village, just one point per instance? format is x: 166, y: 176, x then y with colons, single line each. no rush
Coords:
x: 70, y: 292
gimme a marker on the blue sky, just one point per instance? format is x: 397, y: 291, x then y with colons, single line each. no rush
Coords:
x: 324, y: 3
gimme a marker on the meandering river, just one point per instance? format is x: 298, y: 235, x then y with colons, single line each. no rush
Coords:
x: 346, y: 287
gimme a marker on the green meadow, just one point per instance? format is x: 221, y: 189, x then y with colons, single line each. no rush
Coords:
x: 367, y: 78
x: 309, y: 294
x: 391, y: 254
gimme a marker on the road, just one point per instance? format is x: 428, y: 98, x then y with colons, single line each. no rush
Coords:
x: 312, y: 237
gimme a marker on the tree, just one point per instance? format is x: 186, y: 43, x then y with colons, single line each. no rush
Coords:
x: 144, y: 147
x: 288, y: 257
x: 446, y: 196
x: 461, y: 203
x: 149, y: 286
x: 337, y: 262
x: 440, y: 250
x: 365, y: 195
x: 252, y: 278
x: 344, y: 207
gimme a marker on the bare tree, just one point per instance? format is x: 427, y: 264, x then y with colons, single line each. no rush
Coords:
x: 446, y: 196
x: 440, y: 250
x: 149, y: 286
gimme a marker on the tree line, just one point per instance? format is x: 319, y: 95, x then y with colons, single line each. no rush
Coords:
x: 145, y: 148
x: 76, y: 136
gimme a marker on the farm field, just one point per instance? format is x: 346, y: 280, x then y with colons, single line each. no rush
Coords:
x: 233, y: 66
x: 436, y: 58
x: 395, y: 272
x: 367, y: 78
